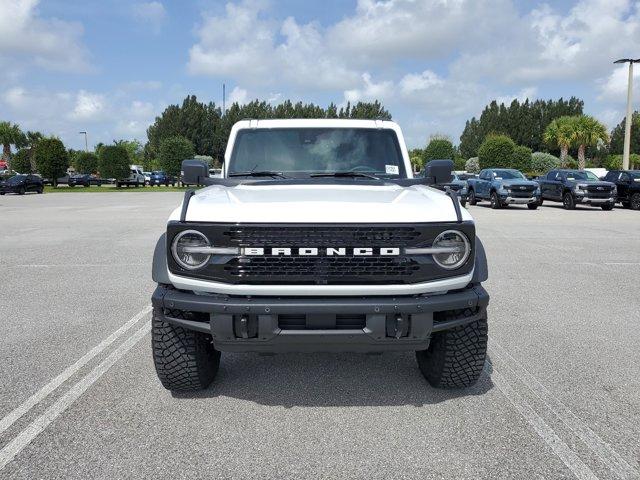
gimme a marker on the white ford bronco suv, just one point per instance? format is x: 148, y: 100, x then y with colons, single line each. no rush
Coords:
x: 317, y: 238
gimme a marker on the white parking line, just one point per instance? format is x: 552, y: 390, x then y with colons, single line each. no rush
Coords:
x: 24, y: 438
x: 597, y: 445
x: 50, y: 387
x: 561, y: 449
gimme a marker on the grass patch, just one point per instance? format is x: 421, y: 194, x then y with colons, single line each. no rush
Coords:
x: 110, y: 189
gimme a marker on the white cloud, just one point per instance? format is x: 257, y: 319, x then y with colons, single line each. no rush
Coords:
x: 528, y: 93
x: 238, y: 95
x: 243, y: 45
x: 152, y: 13
x: 614, y: 87
x: 26, y: 39
x: 88, y: 106
x: 369, y: 90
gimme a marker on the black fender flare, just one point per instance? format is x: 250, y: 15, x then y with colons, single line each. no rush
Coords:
x: 159, y: 269
x: 481, y: 269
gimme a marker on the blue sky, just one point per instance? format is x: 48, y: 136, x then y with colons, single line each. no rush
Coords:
x: 109, y: 67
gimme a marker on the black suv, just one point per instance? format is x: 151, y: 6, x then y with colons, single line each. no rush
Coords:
x: 628, y: 184
x: 22, y: 184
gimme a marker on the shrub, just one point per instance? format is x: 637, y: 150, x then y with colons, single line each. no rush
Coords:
x: 542, y: 162
x: 634, y: 161
x: 86, y: 162
x: 496, y: 152
x: 521, y: 158
x: 173, y: 150
x: 113, y: 162
x: 612, y: 162
x: 439, y: 148
x: 472, y: 165
x: 21, y: 161
x: 52, y: 159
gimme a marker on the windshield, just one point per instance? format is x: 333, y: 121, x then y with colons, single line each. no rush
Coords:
x: 16, y: 179
x: 582, y: 175
x: 507, y: 174
x: 299, y: 152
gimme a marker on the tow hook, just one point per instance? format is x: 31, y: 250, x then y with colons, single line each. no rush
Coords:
x: 401, y: 327
x: 243, y: 327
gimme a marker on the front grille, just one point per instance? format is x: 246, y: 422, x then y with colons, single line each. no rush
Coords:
x: 599, y: 192
x: 521, y: 191
x: 261, y: 268
x: 321, y: 269
x: 321, y: 236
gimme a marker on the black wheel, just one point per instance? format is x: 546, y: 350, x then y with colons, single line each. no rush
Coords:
x: 607, y: 206
x: 472, y: 198
x: 568, y: 202
x: 22, y: 191
x: 532, y: 206
x: 41, y: 190
x: 495, y: 201
x: 117, y: 184
x: 463, y: 203
x: 635, y: 201
x: 185, y: 360
x: 455, y: 357
x: 540, y: 202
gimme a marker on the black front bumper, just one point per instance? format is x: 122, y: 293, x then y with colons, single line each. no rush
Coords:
x: 244, y: 324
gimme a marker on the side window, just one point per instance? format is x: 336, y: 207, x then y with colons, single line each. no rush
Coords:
x: 551, y: 175
x: 624, y: 177
x: 610, y: 177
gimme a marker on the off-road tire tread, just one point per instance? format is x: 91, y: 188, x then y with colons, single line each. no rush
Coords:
x: 455, y: 357
x: 185, y: 360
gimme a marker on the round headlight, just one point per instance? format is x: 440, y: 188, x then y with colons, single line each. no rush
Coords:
x: 455, y: 249
x: 185, y: 249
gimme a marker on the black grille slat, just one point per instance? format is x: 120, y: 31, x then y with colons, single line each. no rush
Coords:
x: 321, y: 236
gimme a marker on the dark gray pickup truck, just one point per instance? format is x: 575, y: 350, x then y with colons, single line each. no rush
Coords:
x: 572, y: 187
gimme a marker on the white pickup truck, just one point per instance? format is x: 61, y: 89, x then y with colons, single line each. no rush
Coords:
x: 317, y: 238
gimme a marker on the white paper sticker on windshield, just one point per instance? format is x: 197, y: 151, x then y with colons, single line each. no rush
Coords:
x: 392, y: 169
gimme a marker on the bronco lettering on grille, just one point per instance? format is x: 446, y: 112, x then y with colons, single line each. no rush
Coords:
x: 315, y: 251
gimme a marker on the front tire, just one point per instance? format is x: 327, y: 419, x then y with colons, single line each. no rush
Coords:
x: 607, y: 206
x: 472, y: 198
x: 463, y: 203
x: 635, y: 201
x: 495, y: 201
x: 185, y: 360
x: 455, y: 357
x: 532, y: 206
x: 568, y: 202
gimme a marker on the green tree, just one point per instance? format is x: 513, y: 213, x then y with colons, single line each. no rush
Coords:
x: 542, y: 162
x: 472, y: 165
x: 524, y: 122
x: 496, y: 152
x: 561, y: 134
x: 10, y: 134
x: 113, y: 162
x: 51, y: 158
x: 21, y: 161
x: 134, y: 148
x: 416, y: 157
x: 439, y: 148
x: 617, y: 135
x: 173, y: 150
x: 521, y: 158
x: 588, y: 132
x: 86, y: 162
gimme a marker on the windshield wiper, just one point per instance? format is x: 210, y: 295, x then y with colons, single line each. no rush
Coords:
x: 259, y: 173
x: 345, y: 174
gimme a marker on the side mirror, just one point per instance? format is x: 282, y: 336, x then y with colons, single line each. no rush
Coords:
x: 194, y: 171
x: 438, y: 172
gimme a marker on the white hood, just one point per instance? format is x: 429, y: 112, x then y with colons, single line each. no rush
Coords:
x: 320, y: 204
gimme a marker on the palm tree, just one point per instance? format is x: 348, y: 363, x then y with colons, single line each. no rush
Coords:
x: 588, y: 132
x: 560, y: 132
x: 10, y: 134
x: 31, y: 140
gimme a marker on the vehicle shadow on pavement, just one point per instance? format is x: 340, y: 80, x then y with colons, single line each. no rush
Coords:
x: 328, y: 380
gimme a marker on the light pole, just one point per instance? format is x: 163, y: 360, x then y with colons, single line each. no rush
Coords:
x: 628, y: 118
x: 86, y: 142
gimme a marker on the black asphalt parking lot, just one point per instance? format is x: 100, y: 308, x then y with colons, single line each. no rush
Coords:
x: 560, y: 397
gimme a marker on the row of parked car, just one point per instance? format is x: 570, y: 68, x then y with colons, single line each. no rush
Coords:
x: 502, y: 187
